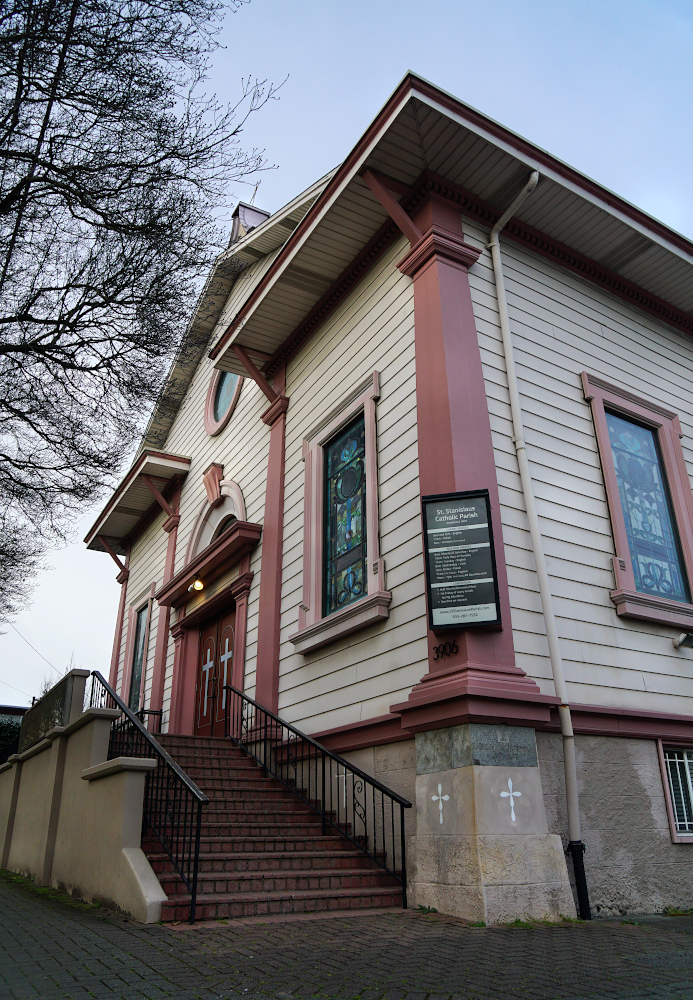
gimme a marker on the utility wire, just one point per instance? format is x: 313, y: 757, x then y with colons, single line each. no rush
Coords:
x: 37, y: 653
x: 15, y: 689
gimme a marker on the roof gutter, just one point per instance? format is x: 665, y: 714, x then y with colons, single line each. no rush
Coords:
x: 575, y: 845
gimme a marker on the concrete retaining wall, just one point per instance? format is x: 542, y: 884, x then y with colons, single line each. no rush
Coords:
x: 72, y: 819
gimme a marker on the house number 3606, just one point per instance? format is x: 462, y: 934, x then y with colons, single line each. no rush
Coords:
x: 445, y: 649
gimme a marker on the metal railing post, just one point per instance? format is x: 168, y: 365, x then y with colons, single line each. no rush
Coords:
x: 322, y: 801
x: 196, y: 865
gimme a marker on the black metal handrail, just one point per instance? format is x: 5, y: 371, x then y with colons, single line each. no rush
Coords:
x: 172, y: 801
x: 345, y: 797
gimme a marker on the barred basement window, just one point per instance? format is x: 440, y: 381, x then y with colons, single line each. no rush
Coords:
x: 678, y: 767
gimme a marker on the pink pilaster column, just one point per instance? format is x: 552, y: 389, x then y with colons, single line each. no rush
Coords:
x: 456, y: 454
x: 159, y: 671
x: 269, y: 610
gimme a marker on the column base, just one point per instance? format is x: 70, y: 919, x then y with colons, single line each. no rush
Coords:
x: 482, y: 850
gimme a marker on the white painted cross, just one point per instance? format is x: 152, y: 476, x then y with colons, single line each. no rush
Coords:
x: 440, y: 798
x: 510, y: 794
x: 224, y: 658
x: 206, y: 668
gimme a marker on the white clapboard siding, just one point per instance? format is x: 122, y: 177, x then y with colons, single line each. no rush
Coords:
x: 146, y: 568
x: 242, y: 448
x: 561, y: 326
x: 360, y: 676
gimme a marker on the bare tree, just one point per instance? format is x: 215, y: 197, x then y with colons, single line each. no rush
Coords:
x: 112, y: 172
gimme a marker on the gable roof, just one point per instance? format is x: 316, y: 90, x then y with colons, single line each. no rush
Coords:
x: 261, y: 241
x: 426, y: 139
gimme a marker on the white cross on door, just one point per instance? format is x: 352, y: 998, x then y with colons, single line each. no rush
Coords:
x: 224, y: 659
x: 206, y: 670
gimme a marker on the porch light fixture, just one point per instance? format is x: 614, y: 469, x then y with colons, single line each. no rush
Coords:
x: 685, y: 639
x: 197, y: 584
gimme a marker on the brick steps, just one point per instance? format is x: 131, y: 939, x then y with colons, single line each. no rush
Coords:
x: 267, y: 882
x: 220, y: 907
x: 262, y: 850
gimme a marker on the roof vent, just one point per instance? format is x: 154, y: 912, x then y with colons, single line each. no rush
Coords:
x: 245, y: 219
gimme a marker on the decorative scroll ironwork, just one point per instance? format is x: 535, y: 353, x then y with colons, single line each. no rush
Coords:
x: 370, y: 815
x: 345, y: 573
x: 172, y: 801
x: 653, y: 541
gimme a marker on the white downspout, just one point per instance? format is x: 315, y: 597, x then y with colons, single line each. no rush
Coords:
x: 575, y: 846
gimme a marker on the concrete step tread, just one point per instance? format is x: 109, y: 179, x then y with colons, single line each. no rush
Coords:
x: 266, y: 855
x: 241, y: 897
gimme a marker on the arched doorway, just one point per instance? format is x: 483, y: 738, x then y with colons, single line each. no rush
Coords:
x: 214, y: 672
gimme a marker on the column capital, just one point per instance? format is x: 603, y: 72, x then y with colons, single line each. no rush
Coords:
x: 441, y: 243
x: 240, y: 588
x: 275, y: 410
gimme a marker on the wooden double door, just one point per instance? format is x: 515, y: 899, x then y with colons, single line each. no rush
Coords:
x: 214, y: 671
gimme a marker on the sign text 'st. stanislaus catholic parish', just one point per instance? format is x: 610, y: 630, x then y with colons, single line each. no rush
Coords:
x: 460, y: 561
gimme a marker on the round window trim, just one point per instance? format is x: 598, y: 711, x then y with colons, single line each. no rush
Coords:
x: 212, y: 426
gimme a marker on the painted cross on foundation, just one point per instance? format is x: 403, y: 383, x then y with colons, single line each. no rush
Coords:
x: 510, y: 794
x: 440, y: 798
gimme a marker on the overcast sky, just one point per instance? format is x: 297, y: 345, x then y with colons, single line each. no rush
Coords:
x: 604, y: 85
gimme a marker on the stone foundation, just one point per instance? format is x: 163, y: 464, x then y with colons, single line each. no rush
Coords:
x: 483, y: 850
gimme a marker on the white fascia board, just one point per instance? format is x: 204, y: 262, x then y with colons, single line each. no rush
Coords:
x: 569, y: 185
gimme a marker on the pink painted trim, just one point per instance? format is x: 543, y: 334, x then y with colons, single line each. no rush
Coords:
x: 676, y: 837
x: 451, y: 399
x: 269, y: 603
x: 359, y: 735
x: 212, y: 426
x: 181, y: 467
x: 588, y: 720
x: 241, y: 591
x: 211, y: 478
x: 310, y: 617
x: 182, y: 715
x: 228, y: 488
x: 629, y: 602
x: 235, y: 543
x: 156, y: 699
x: 118, y: 637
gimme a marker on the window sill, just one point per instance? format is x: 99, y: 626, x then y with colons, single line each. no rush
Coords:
x: 368, y: 611
x: 645, y: 607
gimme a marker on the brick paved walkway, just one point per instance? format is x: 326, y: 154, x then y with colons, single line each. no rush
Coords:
x: 59, y: 952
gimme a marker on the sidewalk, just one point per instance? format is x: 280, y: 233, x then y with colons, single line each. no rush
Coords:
x: 55, y: 951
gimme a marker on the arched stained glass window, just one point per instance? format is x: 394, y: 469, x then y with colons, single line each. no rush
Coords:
x: 653, y: 540
x: 345, y: 575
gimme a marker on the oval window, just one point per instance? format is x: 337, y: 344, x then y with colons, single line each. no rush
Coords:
x: 223, y: 397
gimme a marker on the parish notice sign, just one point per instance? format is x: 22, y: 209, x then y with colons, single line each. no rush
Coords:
x: 460, y: 561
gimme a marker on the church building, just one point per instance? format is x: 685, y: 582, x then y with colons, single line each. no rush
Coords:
x: 418, y: 484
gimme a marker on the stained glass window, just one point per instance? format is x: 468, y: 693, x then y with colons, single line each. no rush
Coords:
x: 653, y: 541
x: 345, y: 573
x: 138, y: 659
x: 223, y: 397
